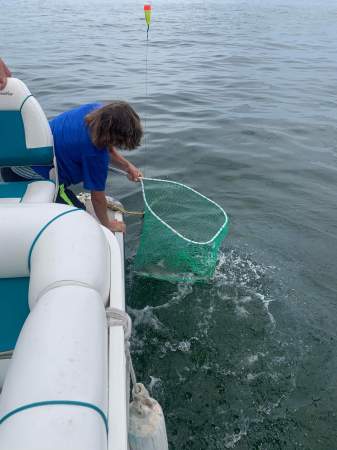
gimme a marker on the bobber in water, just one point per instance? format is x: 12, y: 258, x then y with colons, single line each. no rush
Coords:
x: 148, y: 14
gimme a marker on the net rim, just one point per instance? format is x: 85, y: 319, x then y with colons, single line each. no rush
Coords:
x: 172, y: 229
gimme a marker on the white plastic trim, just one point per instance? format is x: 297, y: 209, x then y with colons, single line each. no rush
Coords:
x: 77, y: 235
x: 118, y: 384
x: 39, y: 192
x: 19, y: 225
x: 12, y: 97
x: 37, y: 129
x: 10, y: 200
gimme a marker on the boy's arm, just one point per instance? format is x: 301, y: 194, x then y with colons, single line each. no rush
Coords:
x: 101, y: 210
x: 133, y: 172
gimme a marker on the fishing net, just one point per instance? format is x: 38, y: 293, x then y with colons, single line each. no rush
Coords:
x: 182, y: 232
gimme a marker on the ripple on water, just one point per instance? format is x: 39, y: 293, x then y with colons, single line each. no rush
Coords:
x: 241, y: 105
x: 217, y: 347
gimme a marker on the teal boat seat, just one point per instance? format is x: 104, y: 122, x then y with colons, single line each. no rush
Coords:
x: 14, y: 310
x: 25, y: 136
x: 13, y: 190
x: 13, y: 146
x: 27, y: 192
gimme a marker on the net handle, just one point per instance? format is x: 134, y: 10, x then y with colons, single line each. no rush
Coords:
x: 122, y: 172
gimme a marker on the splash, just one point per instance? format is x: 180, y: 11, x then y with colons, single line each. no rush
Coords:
x: 219, y: 338
x: 245, y: 282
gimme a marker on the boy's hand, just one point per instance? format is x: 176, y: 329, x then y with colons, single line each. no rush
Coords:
x: 117, y: 226
x: 134, y: 174
x: 4, y: 73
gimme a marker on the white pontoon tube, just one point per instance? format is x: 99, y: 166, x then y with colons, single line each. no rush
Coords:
x: 55, y: 394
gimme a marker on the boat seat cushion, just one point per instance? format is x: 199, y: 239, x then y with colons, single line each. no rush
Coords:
x: 27, y: 192
x: 14, y: 310
x: 25, y: 135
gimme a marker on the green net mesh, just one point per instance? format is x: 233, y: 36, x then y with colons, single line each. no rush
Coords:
x: 182, y: 232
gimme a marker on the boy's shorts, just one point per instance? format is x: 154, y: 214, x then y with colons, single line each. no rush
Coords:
x: 67, y: 197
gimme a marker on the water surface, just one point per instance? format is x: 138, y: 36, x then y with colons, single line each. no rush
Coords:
x: 240, y: 104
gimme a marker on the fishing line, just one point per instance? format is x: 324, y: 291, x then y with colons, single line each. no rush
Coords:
x: 146, y: 89
x: 148, y: 14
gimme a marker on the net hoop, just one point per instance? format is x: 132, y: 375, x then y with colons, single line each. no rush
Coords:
x: 172, y: 229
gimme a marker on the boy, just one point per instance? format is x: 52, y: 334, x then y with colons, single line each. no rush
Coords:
x: 84, y: 138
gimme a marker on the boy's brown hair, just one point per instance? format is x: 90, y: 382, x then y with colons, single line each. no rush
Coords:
x: 116, y: 124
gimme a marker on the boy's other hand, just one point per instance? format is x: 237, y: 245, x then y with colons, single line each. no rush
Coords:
x: 134, y: 174
x: 117, y: 226
x: 4, y: 73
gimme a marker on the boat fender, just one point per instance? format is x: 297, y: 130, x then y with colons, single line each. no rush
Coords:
x: 147, y: 430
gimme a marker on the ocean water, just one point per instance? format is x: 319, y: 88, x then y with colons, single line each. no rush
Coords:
x: 239, y: 102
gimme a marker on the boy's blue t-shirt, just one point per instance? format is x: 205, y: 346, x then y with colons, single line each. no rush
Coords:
x: 78, y: 160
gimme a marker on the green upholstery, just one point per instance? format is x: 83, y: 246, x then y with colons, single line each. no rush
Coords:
x: 14, y: 310
x: 13, y: 189
x: 13, y: 150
